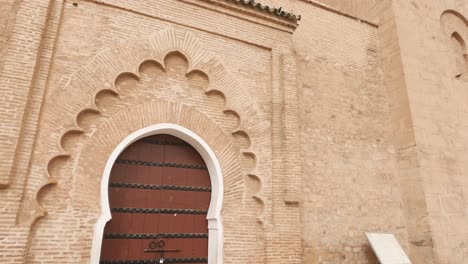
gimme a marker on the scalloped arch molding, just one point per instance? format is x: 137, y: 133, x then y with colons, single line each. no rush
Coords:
x: 106, y: 69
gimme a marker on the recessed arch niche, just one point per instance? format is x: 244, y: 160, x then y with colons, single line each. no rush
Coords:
x: 455, y: 28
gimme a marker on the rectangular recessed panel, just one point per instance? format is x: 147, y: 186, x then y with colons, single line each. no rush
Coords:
x: 387, y: 249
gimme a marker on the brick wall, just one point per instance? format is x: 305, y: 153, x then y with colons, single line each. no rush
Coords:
x: 8, y: 10
x: 323, y: 132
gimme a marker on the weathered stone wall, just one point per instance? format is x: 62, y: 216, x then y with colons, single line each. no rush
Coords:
x: 351, y: 160
x: 437, y: 99
x: 350, y: 184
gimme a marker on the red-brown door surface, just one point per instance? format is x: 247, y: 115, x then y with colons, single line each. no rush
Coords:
x: 159, y: 194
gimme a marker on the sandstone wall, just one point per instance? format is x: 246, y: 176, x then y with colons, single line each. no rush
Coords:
x: 349, y: 167
x: 420, y: 247
x: 351, y: 130
x: 432, y: 59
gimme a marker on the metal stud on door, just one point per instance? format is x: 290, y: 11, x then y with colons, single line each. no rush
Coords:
x: 159, y: 194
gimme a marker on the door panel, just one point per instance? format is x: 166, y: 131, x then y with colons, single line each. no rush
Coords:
x: 123, y: 197
x: 170, y: 222
x: 119, y: 249
x: 159, y: 194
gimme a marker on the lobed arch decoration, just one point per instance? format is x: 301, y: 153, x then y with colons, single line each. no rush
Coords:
x: 99, y: 81
x: 455, y: 27
x: 162, y: 117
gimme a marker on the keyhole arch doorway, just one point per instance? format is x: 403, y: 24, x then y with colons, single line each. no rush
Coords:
x: 215, y: 230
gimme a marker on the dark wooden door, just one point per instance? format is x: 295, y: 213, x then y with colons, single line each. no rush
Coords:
x: 159, y: 194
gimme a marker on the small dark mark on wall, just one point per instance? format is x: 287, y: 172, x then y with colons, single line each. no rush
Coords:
x: 422, y: 243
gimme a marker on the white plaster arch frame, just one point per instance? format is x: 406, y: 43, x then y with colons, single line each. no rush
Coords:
x: 215, y: 230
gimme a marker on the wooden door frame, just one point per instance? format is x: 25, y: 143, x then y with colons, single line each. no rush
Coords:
x: 215, y: 229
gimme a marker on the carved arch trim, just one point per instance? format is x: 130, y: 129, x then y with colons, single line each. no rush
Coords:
x: 100, y: 76
x: 455, y: 28
x: 160, y: 117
